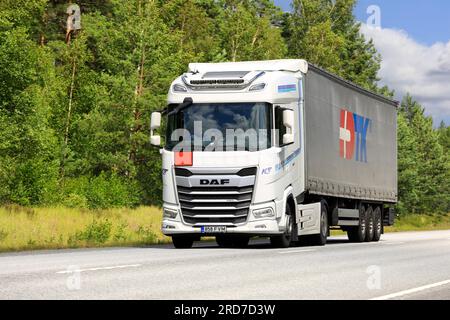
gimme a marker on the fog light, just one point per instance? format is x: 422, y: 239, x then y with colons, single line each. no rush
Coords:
x: 263, y: 213
x: 171, y: 214
x: 167, y: 226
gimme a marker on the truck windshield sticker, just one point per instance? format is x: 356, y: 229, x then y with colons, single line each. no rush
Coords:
x: 287, y: 88
x: 353, y: 132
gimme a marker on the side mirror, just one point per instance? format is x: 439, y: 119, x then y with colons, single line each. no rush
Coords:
x: 155, y: 124
x: 288, y: 122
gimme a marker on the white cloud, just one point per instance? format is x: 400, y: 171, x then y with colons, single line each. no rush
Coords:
x: 408, y: 66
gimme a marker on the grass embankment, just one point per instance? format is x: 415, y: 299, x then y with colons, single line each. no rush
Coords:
x: 415, y: 222
x: 56, y: 228
x: 420, y: 222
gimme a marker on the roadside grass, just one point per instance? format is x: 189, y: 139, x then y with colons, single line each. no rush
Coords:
x: 421, y: 222
x: 415, y: 222
x: 24, y: 228
x: 57, y: 228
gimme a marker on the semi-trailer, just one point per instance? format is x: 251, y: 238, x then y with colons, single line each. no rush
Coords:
x: 280, y: 149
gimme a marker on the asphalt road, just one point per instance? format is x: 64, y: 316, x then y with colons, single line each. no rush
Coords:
x: 401, y: 266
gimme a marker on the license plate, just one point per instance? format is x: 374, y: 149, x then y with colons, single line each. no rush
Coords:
x: 214, y: 229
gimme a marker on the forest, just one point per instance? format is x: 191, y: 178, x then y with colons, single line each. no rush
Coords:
x: 75, y: 107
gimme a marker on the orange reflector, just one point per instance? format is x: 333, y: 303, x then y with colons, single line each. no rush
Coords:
x: 183, y: 158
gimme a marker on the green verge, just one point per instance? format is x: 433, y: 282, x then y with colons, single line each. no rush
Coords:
x: 58, y: 228
x: 24, y: 228
x: 416, y: 222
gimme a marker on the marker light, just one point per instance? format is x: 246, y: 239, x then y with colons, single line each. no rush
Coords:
x: 183, y: 158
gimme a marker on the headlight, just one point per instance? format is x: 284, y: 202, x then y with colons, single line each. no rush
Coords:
x: 171, y: 214
x: 263, y: 213
x: 179, y: 88
x: 257, y: 87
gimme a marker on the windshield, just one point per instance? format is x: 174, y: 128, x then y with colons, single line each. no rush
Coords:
x: 220, y: 127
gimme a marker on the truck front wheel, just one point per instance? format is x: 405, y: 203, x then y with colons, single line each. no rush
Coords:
x: 321, y: 238
x: 182, y: 242
x: 284, y: 240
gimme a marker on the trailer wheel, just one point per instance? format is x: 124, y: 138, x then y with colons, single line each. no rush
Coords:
x: 358, y: 234
x: 377, y: 223
x: 369, y: 224
x: 182, y: 242
x: 321, y: 238
x: 284, y: 240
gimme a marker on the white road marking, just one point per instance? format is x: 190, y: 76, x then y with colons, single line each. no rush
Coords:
x: 411, y: 291
x: 389, y: 243
x: 296, y: 251
x: 100, y: 268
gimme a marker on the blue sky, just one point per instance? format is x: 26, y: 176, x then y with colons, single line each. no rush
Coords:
x: 427, y: 21
x: 414, y: 42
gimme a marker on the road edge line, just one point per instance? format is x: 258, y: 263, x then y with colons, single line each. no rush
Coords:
x: 411, y: 291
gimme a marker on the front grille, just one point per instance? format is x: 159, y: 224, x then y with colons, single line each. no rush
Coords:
x: 228, y: 205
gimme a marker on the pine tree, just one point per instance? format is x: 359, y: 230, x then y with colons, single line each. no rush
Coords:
x: 431, y: 162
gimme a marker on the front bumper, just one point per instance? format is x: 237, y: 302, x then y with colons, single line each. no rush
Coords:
x: 253, y: 226
x: 258, y: 227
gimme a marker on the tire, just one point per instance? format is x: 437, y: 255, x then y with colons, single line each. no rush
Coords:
x: 358, y: 234
x: 369, y: 224
x: 284, y: 240
x: 378, y: 224
x: 321, y: 238
x: 182, y: 242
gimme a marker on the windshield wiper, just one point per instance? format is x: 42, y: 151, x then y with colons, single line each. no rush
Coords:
x: 186, y: 103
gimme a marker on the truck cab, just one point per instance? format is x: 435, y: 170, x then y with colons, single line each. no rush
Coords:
x: 240, y: 159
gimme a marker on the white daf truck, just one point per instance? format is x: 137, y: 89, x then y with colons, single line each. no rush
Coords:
x: 279, y: 149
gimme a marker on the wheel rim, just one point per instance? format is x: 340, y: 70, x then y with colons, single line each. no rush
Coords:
x: 362, y: 226
x: 371, y: 225
x: 377, y: 222
x: 288, y: 227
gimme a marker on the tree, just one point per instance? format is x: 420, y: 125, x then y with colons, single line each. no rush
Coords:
x: 431, y: 162
x: 325, y: 33
x: 28, y: 162
x: 247, y: 32
x: 408, y: 193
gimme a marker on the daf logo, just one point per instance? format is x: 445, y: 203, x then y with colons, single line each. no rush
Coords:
x: 206, y: 182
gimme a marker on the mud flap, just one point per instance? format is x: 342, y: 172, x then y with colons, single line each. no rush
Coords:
x: 308, y: 218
